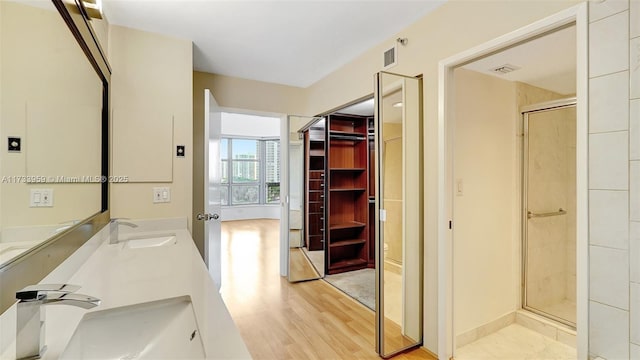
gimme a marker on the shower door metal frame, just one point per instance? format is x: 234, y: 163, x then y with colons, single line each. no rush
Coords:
x: 524, y: 112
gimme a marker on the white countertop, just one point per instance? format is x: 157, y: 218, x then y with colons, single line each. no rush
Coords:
x: 121, y: 276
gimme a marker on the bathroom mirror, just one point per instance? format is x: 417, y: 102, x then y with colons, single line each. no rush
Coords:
x: 306, y: 149
x: 398, y: 178
x: 51, y: 130
x: 54, y: 162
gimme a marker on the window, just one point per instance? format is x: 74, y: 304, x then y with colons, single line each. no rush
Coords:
x: 250, y: 171
x: 272, y: 171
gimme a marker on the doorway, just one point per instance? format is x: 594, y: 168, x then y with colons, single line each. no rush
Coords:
x: 469, y: 256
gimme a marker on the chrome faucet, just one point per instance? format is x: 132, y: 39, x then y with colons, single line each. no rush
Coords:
x: 30, y: 332
x: 65, y: 226
x: 113, y: 231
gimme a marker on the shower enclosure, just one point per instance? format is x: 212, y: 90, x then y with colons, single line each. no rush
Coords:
x: 549, y: 208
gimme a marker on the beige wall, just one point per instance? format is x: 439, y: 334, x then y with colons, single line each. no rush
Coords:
x: 50, y: 94
x: 486, y: 267
x: 151, y: 87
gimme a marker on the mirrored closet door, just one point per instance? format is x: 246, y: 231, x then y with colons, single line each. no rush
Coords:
x: 305, y: 199
x: 398, y: 212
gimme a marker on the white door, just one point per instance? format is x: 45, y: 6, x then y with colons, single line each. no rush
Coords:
x: 212, y: 199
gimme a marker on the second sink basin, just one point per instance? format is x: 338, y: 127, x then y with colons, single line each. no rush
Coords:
x: 163, y: 329
x: 139, y: 242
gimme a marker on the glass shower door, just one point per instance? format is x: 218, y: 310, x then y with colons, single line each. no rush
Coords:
x: 549, y: 200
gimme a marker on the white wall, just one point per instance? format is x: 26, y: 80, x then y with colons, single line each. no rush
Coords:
x: 230, y: 213
x: 250, y: 125
x: 614, y: 179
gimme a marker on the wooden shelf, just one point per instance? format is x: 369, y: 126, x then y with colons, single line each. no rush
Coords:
x: 350, y: 134
x: 314, y: 237
x: 348, y: 242
x: 350, y: 189
x: 348, y: 263
x: 348, y: 225
x: 348, y: 169
x: 347, y: 162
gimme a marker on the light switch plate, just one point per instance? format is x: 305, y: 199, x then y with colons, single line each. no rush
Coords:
x: 41, y: 198
x: 161, y: 195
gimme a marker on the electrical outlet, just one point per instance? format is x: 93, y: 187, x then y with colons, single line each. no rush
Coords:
x: 41, y: 198
x: 161, y: 195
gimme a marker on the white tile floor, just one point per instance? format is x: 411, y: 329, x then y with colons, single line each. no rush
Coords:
x: 515, y: 342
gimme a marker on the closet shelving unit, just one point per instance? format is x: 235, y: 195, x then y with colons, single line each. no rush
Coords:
x: 314, y: 140
x: 347, y: 194
x: 371, y: 134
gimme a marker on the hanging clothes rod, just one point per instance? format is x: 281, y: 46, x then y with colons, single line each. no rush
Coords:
x: 347, y: 137
x: 560, y: 211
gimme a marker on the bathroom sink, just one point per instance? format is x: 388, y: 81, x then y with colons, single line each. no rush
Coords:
x: 139, y: 242
x: 12, y: 249
x: 163, y: 329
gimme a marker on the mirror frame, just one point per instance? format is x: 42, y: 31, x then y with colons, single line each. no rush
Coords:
x: 36, y: 263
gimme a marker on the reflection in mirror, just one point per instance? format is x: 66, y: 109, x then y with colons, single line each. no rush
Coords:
x: 398, y: 174
x: 51, y: 104
x: 306, y: 194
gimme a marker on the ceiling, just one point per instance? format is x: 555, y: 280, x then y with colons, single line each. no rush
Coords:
x: 294, y: 42
x: 548, y: 62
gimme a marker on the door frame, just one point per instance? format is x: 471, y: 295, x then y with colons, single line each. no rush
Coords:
x: 199, y: 178
x: 577, y: 14
x: 284, y: 181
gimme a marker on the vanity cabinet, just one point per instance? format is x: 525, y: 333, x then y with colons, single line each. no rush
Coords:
x: 347, y: 217
x: 314, y: 147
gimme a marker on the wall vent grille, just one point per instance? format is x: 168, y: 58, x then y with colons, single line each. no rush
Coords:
x: 504, y: 69
x: 390, y: 57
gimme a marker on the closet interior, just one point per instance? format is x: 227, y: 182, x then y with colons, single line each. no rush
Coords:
x: 339, y: 190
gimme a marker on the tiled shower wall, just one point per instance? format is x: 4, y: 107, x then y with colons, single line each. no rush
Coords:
x: 614, y: 179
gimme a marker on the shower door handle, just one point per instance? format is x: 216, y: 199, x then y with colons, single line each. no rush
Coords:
x: 560, y: 211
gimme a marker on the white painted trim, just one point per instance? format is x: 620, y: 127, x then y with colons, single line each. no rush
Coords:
x: 578, y: 14
x: 284, y: 196
x: 582, y: 178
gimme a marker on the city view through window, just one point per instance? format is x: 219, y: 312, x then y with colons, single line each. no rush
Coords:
x: 254, y: 165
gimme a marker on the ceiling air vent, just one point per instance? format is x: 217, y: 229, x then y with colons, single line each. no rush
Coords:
x: 390, y: 57
x: 504, y: 69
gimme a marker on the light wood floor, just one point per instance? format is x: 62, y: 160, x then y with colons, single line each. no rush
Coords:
x: 301, y: 267
x: 280, y: 320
